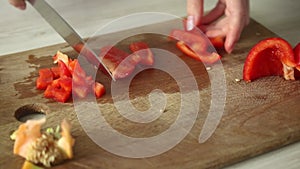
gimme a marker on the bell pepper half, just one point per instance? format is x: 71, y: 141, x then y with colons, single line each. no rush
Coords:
x: 270, y: 57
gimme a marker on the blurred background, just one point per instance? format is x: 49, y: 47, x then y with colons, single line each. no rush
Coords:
x: 27, y: 30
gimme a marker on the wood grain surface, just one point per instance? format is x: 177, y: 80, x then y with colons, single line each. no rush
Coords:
x: 259, y: 116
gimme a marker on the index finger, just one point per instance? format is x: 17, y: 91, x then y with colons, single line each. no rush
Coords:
x: 195, y: 9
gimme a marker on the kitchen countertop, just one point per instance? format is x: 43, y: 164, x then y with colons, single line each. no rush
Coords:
x: 24, y: 30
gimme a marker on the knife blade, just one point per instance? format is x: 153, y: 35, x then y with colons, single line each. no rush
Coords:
x: 65, y: 30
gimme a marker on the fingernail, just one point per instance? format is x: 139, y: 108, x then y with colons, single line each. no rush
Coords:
x: 190, y: 23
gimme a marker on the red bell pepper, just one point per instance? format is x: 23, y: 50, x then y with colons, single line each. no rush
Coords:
x: 267, y: 58
x: 65, y: 83
x: 60, y: 56
x: 64, y: 70
x: 217, y: 42
x: 98, y: 89
x: 82, y: 84
x: 55, y: 71
x: 119, y: 63
x: 206, y: 57
x: 59, y: 82
x: 45, y: 78
x: 195, y: 45
x: 58, y: 94
x: 144, y: 54
x: 80, y: 48
x: 80, y: 91
x: 196, y: 42
x: 60, y: 89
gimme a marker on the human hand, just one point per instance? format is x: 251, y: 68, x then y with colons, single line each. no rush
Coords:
x: 235, y: 17
x: 21, y: 4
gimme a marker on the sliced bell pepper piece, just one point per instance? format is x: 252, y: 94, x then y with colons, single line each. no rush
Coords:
x: 208, y: 58
x: 79, y: 76
x: 60, y: 89
x: 80, y: 91
x: 55, y: 71
x: 195, y: 45
x: 197, y: 42
x: 57, y: 93
x: 61, y: 95
x: 120, y: 63
x: 99, y: 89
x: 64, y: 70
x: 60, y: 56
x: 142, y: 50
x: 82, y: 85
x: 72, y: 64
x: 45, y: 78
x: 217, y: 42
x: 65, y: 83
x: 80, y: 48
x: 269, y: 57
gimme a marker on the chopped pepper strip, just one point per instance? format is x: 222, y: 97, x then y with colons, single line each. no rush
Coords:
x: 119, y: 63
x: 144, y: 54
x: 217, y: 42
x: 99, y: 89
x: 196, y: 41
x: 45, y: 78
x: 208, y: 58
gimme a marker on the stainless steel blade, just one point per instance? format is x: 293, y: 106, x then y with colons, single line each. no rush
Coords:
x: 64, y: 29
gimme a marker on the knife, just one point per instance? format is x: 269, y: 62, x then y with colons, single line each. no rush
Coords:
x: 66, y: 31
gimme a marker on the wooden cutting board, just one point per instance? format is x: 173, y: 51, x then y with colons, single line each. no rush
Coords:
x: 259, y: 117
